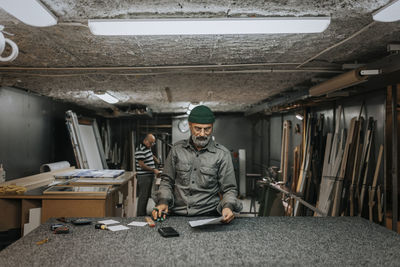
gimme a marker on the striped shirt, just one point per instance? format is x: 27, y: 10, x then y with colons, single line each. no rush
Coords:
x: 143, y: 153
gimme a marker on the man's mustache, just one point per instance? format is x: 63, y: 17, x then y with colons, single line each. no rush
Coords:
x: 201, y: 138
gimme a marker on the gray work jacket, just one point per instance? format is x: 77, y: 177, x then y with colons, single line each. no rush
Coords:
x: 191, y: 180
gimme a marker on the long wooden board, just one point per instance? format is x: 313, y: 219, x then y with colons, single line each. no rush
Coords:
x: 37, y: 180
x: 339, y: 182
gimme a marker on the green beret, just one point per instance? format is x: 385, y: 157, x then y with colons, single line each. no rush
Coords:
x: 201, y: 114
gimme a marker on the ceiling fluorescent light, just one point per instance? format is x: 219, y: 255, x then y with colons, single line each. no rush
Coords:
x: 31, y: 12
x: 388, y: 13
x: 272, y: 25
x: 107, y: 98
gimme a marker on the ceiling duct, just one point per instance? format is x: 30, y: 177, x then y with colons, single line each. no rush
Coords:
x: 286, y: 99
x: 337, y: 83
x: 136, y: 110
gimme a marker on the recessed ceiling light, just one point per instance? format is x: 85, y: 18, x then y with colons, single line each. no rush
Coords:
x: 31, y: 12
x: 272, y: 25
x: 388, y: 13
x: 299, y: 116
x: 107, y: 98
x: 191, y: 106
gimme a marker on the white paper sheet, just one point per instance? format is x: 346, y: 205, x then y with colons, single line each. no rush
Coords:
x: 107, y: 222
x: 117, y: 228
x: 206, y: 222
x: 138, y: 223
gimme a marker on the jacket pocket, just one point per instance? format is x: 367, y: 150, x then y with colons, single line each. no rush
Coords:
x: 208, y: 177
x: 183, y: 173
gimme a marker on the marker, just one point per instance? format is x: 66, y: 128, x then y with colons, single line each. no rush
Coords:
x: 100, y: 226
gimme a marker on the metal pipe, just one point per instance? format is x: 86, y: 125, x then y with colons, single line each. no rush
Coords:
x: 395, y: 168
x: 311, y: 207
x: 172, y: 72
x: 152, y: 67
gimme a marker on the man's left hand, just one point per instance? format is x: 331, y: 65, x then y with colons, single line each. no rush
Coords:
x: 228, y: 215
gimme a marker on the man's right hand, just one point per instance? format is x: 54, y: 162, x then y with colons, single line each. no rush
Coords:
x: 160, y: 211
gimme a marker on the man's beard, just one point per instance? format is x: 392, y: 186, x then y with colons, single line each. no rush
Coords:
x: 201, y: 141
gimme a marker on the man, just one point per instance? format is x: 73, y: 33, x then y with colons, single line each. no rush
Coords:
x: 145, y: 171
x: 196, y: 172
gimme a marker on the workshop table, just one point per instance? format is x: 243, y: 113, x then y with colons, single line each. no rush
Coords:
x: 15, y: 208
x: 260, y: 241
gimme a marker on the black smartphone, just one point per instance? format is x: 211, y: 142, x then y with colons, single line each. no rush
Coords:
x: 81, y: 221
x: 168, y: 232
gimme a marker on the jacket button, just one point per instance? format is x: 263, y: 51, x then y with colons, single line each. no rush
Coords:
x: 192, y: 182
x: 197, y: 155
x: 195, y: 169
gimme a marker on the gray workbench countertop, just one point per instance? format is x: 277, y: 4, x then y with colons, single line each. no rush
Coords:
x: 261, y: 241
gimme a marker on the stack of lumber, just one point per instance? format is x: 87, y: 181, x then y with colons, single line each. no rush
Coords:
x: 332, y: 160
x: 333, y: 172
x: 346, y: 170
x: 307, y: 166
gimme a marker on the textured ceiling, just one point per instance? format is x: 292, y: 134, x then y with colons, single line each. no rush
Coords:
x: 229, y: 73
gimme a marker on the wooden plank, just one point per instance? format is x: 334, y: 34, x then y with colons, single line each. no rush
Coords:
x: 324, y: 178
x: 111, y: 204
x: 134, y: 196
x: 37, y: 180
x: 375, y: 180
x: 366, y: 168
x: 352, y: 193
x: 377, y: 168
x: 351, y: 164
x: 305, y: 166
x: 339, y: 182
x: 305, y: 160
x: 332, y: 170
x: 287, y: 125
x: 357, y: 163
x: 379, y: 197
x: 283, y: 145
x: 129, y: 201
x: 296, y: 167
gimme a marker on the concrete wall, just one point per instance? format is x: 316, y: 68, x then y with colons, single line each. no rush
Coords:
x: 32, y: 132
